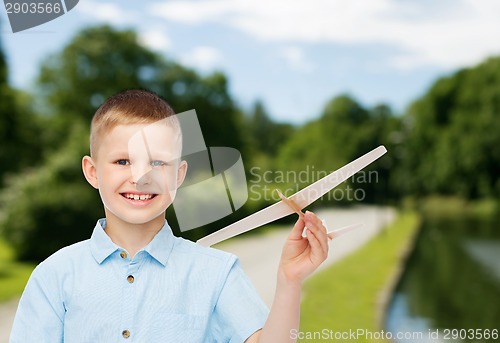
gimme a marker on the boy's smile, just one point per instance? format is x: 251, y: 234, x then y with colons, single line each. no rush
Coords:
x: 137, y: 170
x: 138, y: 199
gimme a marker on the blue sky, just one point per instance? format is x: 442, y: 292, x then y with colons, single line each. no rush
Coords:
x: 293, y: 55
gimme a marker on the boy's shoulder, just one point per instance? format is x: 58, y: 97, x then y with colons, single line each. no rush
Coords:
x: 63, y: 262
x: 75, y: 251
x: 197, y: 252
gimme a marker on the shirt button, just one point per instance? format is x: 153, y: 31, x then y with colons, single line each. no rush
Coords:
x: 123, y: 254
x: 126, y: 334
x: 130, y: 279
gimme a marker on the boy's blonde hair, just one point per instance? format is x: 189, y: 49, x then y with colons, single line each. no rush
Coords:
x: 135, y: 106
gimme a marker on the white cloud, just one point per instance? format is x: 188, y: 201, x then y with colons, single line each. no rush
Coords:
x: 458, y: 33
x: 107, y: 12
x: 155, y: 38
x: 295, y: 59
x: 203, y: 58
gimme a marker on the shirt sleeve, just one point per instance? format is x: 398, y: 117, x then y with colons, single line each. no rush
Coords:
x: 239, y: 311
x: 40, y: 314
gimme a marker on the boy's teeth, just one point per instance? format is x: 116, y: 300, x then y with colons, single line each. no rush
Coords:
x: 139, y: 197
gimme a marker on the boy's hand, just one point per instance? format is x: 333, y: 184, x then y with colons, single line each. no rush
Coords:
x: 302, y: 255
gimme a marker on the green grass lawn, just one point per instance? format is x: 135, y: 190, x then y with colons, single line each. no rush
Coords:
x: 13, y: 275
x: 346, y: 296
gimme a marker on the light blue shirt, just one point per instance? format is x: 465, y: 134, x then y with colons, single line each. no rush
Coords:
x: 173, y: 290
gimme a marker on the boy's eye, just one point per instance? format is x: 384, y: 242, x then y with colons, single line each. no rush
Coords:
x: 158, y: 163
x: 122, y: 162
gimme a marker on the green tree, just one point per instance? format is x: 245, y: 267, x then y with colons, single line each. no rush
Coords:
x: 452, y: 145
x: 339, y: 135
x: 7, y: 121
x: 385, y: 129
x: 18, y: 128
x: 345, y: 131
x: 267, y: 135
x: 50, y: 207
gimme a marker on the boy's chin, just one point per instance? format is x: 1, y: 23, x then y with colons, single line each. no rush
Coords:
x: 135, y: 218
x: 142, y: 221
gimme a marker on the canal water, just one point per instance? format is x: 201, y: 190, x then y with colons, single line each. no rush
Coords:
x: 450, y: 290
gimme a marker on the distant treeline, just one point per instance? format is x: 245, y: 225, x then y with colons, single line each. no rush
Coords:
x: 447, y: 142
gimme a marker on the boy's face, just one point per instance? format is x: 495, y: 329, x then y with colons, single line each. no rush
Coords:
x: 137, y: 170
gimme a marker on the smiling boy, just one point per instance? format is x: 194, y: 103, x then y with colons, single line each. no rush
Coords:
x: 133, y: 281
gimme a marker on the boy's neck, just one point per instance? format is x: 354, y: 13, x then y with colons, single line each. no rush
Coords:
x: 132, y: 237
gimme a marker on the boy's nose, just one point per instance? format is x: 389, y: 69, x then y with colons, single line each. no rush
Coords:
x: 154, y: 181
x: 141, y: 175
x: 139, y: 154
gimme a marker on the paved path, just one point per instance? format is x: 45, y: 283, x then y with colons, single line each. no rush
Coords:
x: 260, y: 254
x: 7, y: 311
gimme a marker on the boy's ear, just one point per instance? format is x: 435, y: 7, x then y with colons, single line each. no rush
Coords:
x: 181, y: 173
x: 89, y: 171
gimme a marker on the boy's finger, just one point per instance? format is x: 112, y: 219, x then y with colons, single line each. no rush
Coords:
x: 321, y: 237
x: 314, y: 218
x: 314, y: 224
x: 319, y: 234
x: 297, y: 229
x: 317, y: 252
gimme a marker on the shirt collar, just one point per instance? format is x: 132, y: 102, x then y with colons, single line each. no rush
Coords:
x: 101, y: 245
x: 159, y: 248
x: 162, y: 244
